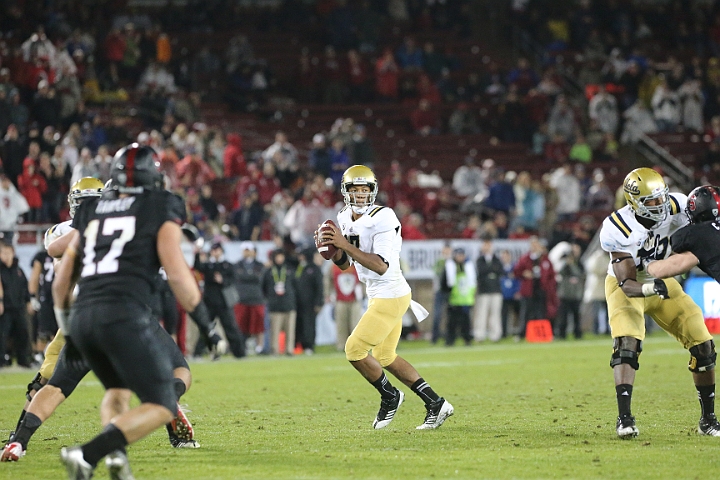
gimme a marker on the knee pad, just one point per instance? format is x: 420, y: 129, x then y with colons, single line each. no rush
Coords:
x: 626, y: 350
x: 385, y: 360
x: 702, y: 357
x: 34, y: 386
x: 356, y: 349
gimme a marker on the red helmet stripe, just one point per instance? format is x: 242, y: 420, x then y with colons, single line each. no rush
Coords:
x: 130, y: 167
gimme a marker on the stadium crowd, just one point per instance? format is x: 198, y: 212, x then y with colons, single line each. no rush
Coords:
x: 65, y: 88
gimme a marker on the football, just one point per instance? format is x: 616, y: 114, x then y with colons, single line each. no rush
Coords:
x: 327, y: 251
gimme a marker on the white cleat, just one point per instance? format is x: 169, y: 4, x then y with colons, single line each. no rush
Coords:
x: 75, y: 464
x: 437, y: 413
x: 118, y: 466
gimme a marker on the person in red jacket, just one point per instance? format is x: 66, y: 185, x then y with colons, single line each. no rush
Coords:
x: 233, y: 159
x: 32, y: 185
x: 537, y: 285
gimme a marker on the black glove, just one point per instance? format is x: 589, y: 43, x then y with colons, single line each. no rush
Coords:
x: 661, y: 289
x: 73, y: 358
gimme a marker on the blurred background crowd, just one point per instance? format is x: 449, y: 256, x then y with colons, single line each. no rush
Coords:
x: 482, y: 119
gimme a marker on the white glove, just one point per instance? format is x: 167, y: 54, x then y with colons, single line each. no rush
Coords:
x: 35, y: 304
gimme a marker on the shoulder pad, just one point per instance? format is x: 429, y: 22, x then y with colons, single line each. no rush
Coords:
x: 678, y: 201
x: 384, y: 219
x: 615, y: 234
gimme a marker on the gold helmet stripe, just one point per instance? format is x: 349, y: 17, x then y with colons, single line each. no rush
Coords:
x: 617, y: 220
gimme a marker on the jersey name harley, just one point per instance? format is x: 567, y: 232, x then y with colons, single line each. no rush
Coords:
x: 110, y: 206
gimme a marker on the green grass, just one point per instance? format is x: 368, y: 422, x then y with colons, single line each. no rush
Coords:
x: 521, y: 411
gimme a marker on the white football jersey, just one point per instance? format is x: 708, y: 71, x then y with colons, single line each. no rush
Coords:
x: 57, y: 231
x: 378, y: 231
x: 621, y: 232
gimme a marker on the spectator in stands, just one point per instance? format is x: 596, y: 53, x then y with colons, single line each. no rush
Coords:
x: 468, y: 179
x: 409, y: 56
x: 46, y: 106
x: 211, y: 208
x: 280, y: 290
x: 85, y: 167
x: 604, y: 111
x: 103, y: 160
x: 557, y: 151
x: 425, y: 120
x: 12, y: 153
x: 233, y: 159
x: 580, y: 151
x: 529, y: 203
x: 462, y: 121
x: 13, y: 205
x: 386, y: 77
x: 19, y: 112
x: 332, y: 78
x: 538, y: 297
x: 268, y: 184
x: 246, y: 221
x: 523, y: 76
x: 427, y: 90
x: 666, y: 107
x: 5, y: 115
x: 69, y: 93
x: 192, y: 171
x: 412, y: 227
x: 282, y: 145
x: 250, y: 309
x: 360, y: 148
x: 303, y: 218
x: 52, y: 197
x: 638, y: 121
x: 562, y: 119
x: 600, y: 197
x: 357, y: 78
x: 501, y: 195
x: 114, y: 52
x: 339, y: 161
x: 596, y: 265
x: 568, y: 186
x: 630, y: 83
x: 692, y: 100
x: 32, y: 185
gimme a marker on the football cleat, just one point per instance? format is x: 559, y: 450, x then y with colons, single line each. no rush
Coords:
x: 709, y: 425
x: 219, y: 346
x: 388, y: 408
x: 12, y: 452
x: 118, y: 466
x: 75, y: 465
x: 626, y: 427
x: 437, y: 412
x: 181, y: 426
x: 177, y: 442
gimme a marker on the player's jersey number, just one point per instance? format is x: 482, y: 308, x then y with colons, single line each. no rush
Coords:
x: 354, y: 240
x: 109, y: 263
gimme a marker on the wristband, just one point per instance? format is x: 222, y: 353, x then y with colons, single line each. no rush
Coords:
x: 61, y: 317
x: 343, y: 259
x: 648, y: 289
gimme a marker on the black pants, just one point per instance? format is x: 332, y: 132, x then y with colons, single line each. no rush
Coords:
x: 568, y: 308
x: 532, y: 308
x: 232, y: 332
x: 168, y: 306
x: 508, y: 306
x: 305, y: 326
x: 458, y: 318
x: 119, y: 343
x: 14, y: 329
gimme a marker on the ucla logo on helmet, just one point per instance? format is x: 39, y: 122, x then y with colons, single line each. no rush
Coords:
x: 631, y: 187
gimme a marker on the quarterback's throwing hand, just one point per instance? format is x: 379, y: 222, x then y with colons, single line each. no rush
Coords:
x: 660, y: 289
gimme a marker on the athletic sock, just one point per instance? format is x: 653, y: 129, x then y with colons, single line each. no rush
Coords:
x: 22, y: 415
x: 27, y: 429
x: 179, y: 386
x: 109, y: 440
x: 624, y: 397
x: 706, y: 395
x: 423, y: 390
x: 384, y: 386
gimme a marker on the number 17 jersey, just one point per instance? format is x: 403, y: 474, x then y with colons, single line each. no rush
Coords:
x: 118, y: 244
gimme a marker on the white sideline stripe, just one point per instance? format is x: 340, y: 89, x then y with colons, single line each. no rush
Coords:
x: 24, y: 386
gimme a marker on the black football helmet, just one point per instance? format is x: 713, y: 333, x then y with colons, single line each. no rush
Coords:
x: 703, y: 204
x: 135, y: 169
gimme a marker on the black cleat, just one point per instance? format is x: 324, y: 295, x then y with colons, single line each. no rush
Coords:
x: 626, y: 427
x: 388, y: 408
x: 709, y: 425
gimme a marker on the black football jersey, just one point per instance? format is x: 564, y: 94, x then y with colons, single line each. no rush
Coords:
x: 46, y: 275
x: 703, y: 241
x: 118, y: 244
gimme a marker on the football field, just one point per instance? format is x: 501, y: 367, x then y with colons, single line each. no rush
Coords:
x: 521, y: 411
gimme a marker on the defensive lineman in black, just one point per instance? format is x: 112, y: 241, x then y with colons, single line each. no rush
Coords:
x: 698, y: 244
x: 122, y: 240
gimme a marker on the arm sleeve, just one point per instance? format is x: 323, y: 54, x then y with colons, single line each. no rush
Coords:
x: 383, y: 244
x: 175, y: 209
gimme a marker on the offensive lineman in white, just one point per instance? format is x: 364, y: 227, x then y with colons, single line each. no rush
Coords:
x: 370, y: 237
x: 634, y: 236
